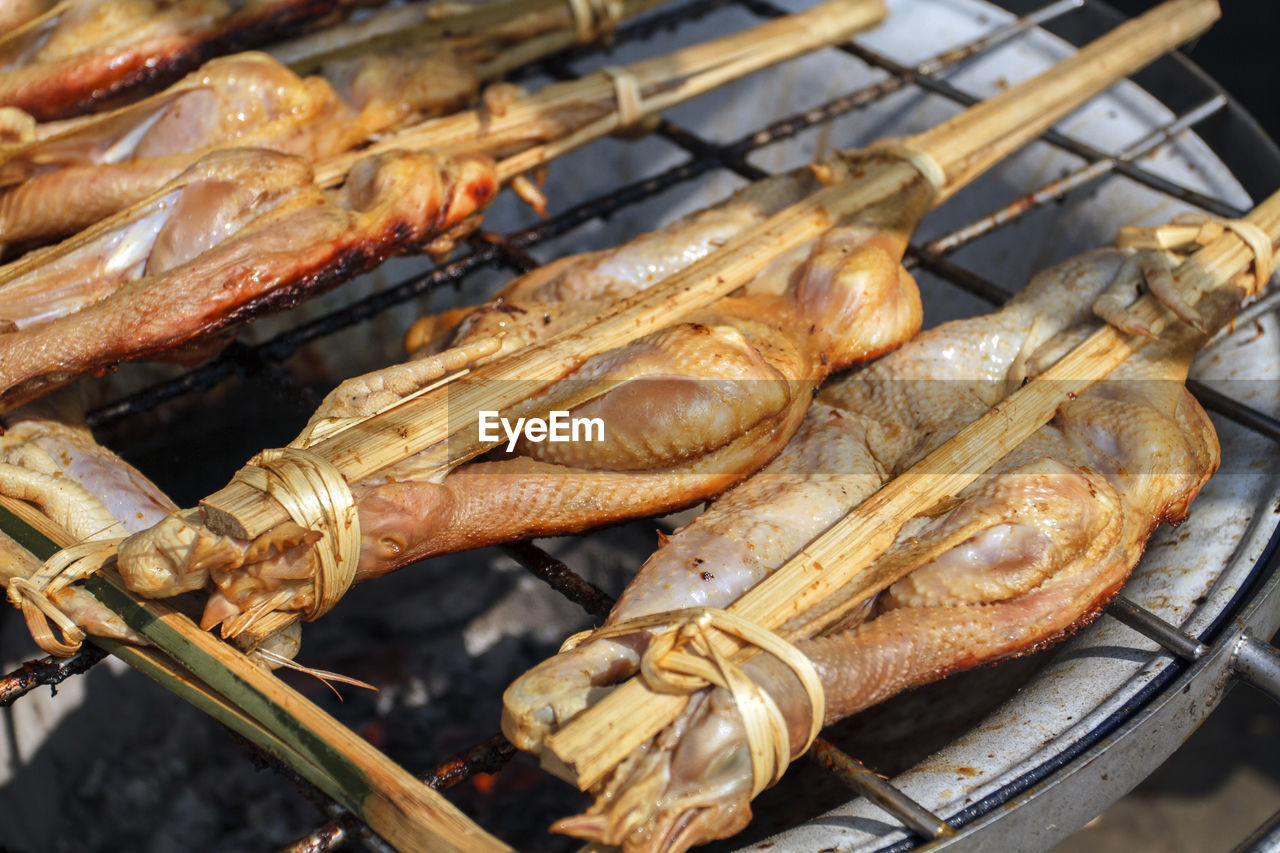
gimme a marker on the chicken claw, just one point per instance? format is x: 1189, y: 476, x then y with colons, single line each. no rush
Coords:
x: 49, y: 459
x: 1192, y: 298
x: 1155, y: 271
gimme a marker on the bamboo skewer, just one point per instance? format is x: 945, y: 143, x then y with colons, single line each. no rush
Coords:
x: 593, y: 742
x: 953, y: 149
x: 405, y: 812
x: 399, y: 808
x: 42, y: 538
x: 662, y: 82
x: 555, y: 22
x: 482, y: 30
x: 674, y: 78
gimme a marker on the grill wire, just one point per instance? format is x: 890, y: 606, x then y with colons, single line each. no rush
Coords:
x: 1210, y: 111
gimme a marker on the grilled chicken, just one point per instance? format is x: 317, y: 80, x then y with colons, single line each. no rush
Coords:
x: 76, y: 176
x: 698, y: 405
x: 74, y: 173
x: 49, y: 458
x: 1032, y: 550
x: 83, y: 54
x: 240, y: 232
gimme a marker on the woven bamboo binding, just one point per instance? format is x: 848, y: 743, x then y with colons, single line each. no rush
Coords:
x: 683, y: 659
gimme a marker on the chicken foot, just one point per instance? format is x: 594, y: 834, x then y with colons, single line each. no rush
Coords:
x: 49, y: 459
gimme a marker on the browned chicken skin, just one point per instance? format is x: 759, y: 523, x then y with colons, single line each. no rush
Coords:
x: 239, y: 233
x: 84, y: 54
x: 1033, y: 549
x: 76, y: 175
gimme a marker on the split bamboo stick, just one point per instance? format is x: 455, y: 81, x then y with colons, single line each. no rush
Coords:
x: 42, y: 538
x: 424, y: 424
x: 399, y: 808
x: 661, y: 81
x: 842, y: 558
x: 671, y: 79
x: 554, y: 22
x: 395, y: 805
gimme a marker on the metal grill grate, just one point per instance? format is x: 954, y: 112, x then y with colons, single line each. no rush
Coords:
x: 1198, y: 104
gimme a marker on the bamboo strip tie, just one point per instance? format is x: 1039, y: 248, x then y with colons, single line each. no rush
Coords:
x: 593, y: 743
x: 595, y: 19
x: 316, y: 497
x: 669, y: 667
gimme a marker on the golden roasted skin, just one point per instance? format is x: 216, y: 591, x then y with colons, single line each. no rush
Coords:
x: 1045, y: 539
x: 696, y: 406
x: 89, y: 53
x: 75, y: 175
x: 241, y: 232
